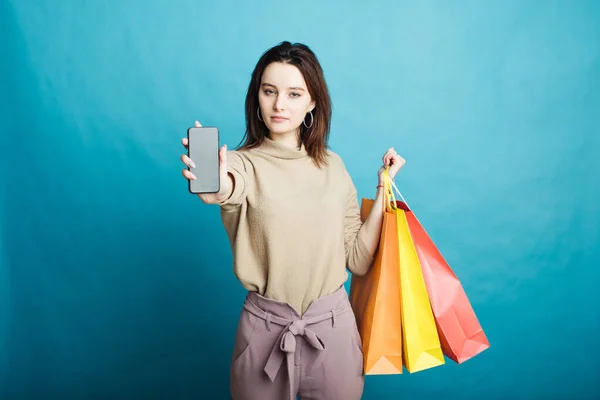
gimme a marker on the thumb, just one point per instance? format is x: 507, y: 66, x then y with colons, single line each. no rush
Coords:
x: 223, y: 160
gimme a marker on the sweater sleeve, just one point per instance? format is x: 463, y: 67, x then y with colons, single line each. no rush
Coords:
x: 358, y: 257
x: 239, y: 171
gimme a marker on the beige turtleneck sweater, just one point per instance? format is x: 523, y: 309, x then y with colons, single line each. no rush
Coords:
x: 293, y: 228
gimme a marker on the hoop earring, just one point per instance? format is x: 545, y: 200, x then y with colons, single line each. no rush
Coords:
x: 312, y: 121
x: 258, y: 114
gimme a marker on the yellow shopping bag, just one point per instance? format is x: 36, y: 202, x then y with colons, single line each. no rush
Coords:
x: 421, y: 346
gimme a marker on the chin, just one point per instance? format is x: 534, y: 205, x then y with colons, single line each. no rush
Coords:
x: 281, y: 128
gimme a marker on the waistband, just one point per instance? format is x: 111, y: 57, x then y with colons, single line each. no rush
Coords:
x: 280, y: 313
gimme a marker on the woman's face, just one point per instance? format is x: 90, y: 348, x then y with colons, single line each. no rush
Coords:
x: 283, y: 98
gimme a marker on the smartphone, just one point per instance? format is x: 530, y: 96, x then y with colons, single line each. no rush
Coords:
x: 203, y: 150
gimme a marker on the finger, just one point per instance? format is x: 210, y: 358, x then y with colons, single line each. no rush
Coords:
x: 198, y: 124
x: 188, y: 175
x: 184, y: 142
x: 398, y: 161
x: 187, y: 161
x: 395, y: 159
x: 223, y: 160
x: 388, y: 153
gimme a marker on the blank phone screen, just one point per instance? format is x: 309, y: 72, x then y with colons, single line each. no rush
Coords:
x: 203, y: 150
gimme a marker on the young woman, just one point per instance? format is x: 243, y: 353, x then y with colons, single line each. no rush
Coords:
x: 291, y: 213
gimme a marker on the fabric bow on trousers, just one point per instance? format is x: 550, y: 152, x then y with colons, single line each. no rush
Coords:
x: 322, y: 347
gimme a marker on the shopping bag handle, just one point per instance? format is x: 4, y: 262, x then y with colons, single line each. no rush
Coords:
x: 399, y: 194
x: 389, y: 198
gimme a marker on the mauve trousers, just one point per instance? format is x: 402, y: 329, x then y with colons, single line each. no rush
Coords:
x: 279, y: 355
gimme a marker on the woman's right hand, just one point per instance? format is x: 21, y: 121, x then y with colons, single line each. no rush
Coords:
x: 226, y: 181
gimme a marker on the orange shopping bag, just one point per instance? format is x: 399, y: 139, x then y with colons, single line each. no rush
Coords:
x: 375, y: 299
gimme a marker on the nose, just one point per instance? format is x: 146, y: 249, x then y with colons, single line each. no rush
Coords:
x: 278, y: 104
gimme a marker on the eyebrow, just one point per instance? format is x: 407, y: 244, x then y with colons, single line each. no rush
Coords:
x: 293, y: 88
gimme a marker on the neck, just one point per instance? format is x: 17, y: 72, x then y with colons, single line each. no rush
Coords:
x: 288, y: 139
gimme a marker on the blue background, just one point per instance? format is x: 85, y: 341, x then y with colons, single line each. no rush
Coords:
x: 116, y: 283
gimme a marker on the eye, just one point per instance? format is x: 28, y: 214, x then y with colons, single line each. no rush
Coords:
x: 268, y: 92
x: 294, y: 94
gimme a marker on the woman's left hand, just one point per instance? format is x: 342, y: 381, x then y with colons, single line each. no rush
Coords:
x: 394, y: 161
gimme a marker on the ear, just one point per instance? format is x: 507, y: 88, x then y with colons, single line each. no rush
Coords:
x: 312, y: 106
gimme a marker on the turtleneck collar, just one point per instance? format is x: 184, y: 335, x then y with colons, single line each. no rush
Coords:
x: 278, y: 150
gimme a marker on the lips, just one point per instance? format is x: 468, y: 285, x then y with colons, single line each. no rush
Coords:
x: 278, y: 119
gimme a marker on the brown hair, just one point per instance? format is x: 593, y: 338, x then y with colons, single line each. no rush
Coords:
x: 316, y: 137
